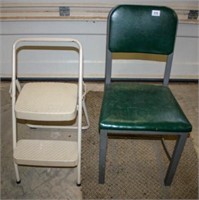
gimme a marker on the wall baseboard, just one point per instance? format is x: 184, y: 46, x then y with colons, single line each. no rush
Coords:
x: 4, y: 79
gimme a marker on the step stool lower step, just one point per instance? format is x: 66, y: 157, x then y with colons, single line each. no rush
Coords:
x: 54, y: 153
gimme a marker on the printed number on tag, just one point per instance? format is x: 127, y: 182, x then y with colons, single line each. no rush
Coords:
x: 156, y: 13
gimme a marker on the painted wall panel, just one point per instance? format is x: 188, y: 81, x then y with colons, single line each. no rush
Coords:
x: 92, y: 35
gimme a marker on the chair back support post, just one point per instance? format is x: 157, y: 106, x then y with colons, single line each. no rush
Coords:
x: 167, y: 71
x: 108, y: 61
x: 108, y: 67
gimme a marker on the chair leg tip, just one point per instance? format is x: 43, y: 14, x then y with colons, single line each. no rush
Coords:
x: 78, y: 184
x: 18, y: 182
x: 167, y: 183
x: 101, y: 181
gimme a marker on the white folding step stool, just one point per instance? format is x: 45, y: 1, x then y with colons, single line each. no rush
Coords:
x: 48, y: 101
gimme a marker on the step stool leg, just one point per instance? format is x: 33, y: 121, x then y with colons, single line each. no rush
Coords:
x: 18, y: 180
x: 86, y: 115
x: 78, y: 174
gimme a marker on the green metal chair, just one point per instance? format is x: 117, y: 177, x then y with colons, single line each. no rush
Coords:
x: 141, y: 109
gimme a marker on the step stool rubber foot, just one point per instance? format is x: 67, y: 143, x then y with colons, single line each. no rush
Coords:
x: 18, y: 182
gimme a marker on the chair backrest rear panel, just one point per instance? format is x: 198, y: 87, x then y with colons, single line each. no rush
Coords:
x: 142, y: 29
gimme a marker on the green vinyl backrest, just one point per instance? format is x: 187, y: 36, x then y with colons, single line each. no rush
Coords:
x: 142, y: 29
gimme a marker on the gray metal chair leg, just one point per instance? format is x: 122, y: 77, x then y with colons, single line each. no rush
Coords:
x: 175, y: 158
x: 102, y: 155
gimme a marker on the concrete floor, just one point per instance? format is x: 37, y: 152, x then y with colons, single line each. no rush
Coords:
x: 36, y: 182
x: 61, y: 184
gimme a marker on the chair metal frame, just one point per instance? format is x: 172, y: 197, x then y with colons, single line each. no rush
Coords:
x: 81, y: 104
x: 181, y: 136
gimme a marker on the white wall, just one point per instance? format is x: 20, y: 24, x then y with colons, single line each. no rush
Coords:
x: 91, y: 34
x: 100, y: 1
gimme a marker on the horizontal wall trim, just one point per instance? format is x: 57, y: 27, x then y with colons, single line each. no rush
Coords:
x: 100, y: 79
x: 98, y: 76
x: 57, y: 34
x: 81, y: 11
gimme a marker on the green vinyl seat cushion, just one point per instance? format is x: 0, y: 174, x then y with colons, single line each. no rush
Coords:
x: 141, y: 107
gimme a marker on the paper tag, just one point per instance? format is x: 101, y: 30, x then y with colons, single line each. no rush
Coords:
x: 155, y: 13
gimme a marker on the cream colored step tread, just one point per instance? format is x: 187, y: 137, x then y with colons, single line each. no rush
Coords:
x: 47, y: 101
x: 46, y: 153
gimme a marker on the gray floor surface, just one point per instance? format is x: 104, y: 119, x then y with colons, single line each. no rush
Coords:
x: 45, y: 183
